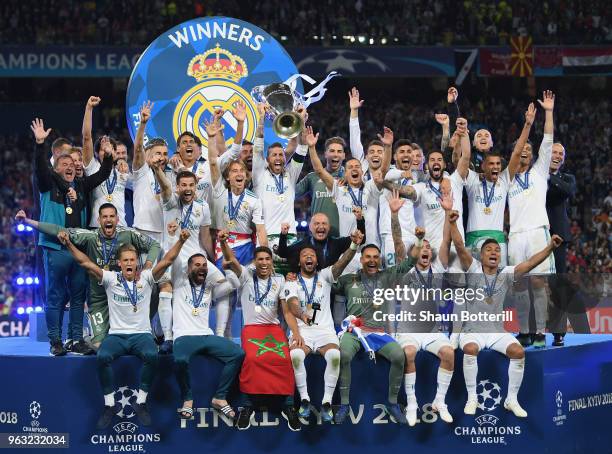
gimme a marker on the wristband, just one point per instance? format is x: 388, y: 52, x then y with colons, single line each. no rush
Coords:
x: 354, y: 246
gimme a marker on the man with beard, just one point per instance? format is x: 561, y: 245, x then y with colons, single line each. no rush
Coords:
x: 63, y: 201
x: 309, y: 299
x: 415, y: 335
x: 529, y: 228
x: 188, y: 147
x: 321, y: 200
x: 113, y: 189
x: 402, y: 174
x: 235, y: 208
x: 193, y: 295
x: 101, y: 247
x: 274, y: 183
x: 375, y: 157
x: 428, y: 195
x: 487, y: 331
x: 148, y: 213
x: 129, y: 300
x: 561, y: 188
x: 355, y: 195
x: 189, y: 214
x: 364, y: 328
x: 76, y: 154
x: 487, y: 197
x: 266, y: 373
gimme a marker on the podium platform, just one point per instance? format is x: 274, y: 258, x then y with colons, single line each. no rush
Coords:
x: 566, y: 391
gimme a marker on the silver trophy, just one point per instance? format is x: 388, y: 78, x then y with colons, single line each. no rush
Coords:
x: 282, y: 102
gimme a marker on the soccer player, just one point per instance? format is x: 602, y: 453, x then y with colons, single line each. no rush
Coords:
x: 274, y: 183
x: 359, y: 291
x: 529, y: 227
x: 309, y: 299
x: 473, y: 336
x: 192, y: 299
x: 487, y: 197
x: 63, y: 201
x: 129, y: 299
x: 189, y: 214
x: 188, y: 148
x: 148, y: 214
x: 267, y: 369
x: 113, y: 189
x: 235, y: 208
x: 427, y: 273
x: 101, y: 246
x: 322, y: 200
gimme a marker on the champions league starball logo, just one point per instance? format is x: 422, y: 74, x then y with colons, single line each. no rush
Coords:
x: 35, y: 410
x: 125, y: 397
x: 489, y: 395
x: 200, y: 66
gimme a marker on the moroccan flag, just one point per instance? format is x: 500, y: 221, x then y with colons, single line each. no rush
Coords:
x: 521, y: 58
x: 267, y: 365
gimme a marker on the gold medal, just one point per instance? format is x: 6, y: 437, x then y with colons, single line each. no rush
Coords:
x: 257, y: 308
x: 487, y: 210
x: 527, y: 192
x: 109, y: 198
x: 106, y: 267
x: 157, y: 197
x: 135, y: 309
x: 489, y: 300
x: 281, y: 197
x: 231, y: 223
x: 69, y: 210
x: 195, y: 312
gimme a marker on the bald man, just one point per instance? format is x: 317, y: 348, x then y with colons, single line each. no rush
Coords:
x: 329, y: 249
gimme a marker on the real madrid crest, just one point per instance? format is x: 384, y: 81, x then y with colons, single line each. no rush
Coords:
x: 217, y: 71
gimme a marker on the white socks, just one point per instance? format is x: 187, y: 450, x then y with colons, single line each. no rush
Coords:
x: 297, y: 359
x: 165, y: 314
x: 516, y: 369
x: 409, y: 381
x: 444, y: 379
x: 109, y: 399
x: 142, y: 397
x: 470, y: 371
x: 523, y: 304
x: 332, y: 370
x: 540, y: 307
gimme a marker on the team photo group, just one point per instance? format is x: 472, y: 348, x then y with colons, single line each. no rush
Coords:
x: 214, y: 232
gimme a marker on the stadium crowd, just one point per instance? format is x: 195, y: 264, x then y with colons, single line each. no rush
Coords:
x: 583, y: 126
x: 138, y: 22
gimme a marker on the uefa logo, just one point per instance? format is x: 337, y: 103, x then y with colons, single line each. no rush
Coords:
x: 35, y: 410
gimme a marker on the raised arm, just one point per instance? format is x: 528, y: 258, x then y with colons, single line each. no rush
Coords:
x: 164, y: 183
x: 171, y: 255
x: 212, y: 129
x: 92, y: 269
x: 139, y: 154
x: 444, y: 121
x: 395, y: 204
x: 317, y: 165
x: 42, y: 169
x: 407, y: 192
x: 94, y: 180
x: 347, y: 256
x: 515, y: 158
x: 387, y: 140
x: 548, y: 104
x: 88, y: 150
x: 220, y: 138
x: 444, y: 251
x: 259, y: 162
x: 465, y: 257
x: 526, y: 266
x: 206, y: 241
x: 463, y: 166
x: 228, y: 254
x: 354, y: 130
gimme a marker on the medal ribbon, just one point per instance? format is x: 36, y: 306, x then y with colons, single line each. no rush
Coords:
x: 489, y: 289
x: 185, y: 220
x: 258, y: 298
x: 232, y: 211
x: 107, y: 254
x: 523, y: 183
x: 422, y: 279
x: 132, y: 294
x: 436, y: 191
x: 196, y: 298
x: 110, y: 187
x: 358, y: 201
x: 488, y: 196
x: 278, y: 182
x: 309, y: 296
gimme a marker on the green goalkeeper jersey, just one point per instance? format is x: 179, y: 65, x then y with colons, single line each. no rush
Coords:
x: 360, y: 291
x: 321, y: 199
x: 90, y: 242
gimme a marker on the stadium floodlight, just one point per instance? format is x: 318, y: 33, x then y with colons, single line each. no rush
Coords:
x: 371, y: 40
x: 383, y: 41
x: 361, y: 39
x: 29, y: 280
x: 304, y: 224
x: 29, y: 310
x: 20, y: 280
x: 20, y: 310
x: 38, y: 309
x: 20, y: 227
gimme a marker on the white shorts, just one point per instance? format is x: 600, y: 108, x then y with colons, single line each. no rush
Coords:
x: 495, y: 341
x: 524, y: 245
x: 388, y: 247
x: 316, y: 337
x: 432, y: 342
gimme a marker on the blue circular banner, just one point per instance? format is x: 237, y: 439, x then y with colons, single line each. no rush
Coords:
x: 199, y: 66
